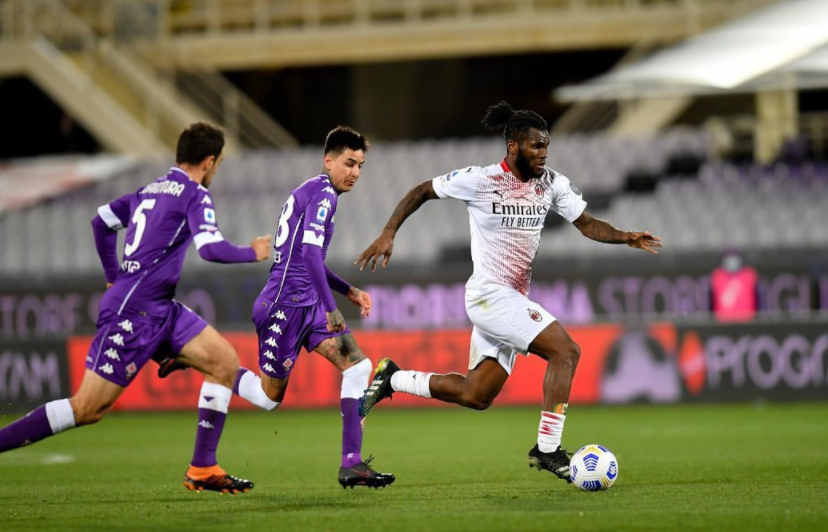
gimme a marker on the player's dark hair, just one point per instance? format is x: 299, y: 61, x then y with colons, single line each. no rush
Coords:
x: 198, y: 141
x: 341, y: 138
x: 513, y: 124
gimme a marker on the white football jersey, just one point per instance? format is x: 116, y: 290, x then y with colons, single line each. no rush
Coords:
x: 506, y: 216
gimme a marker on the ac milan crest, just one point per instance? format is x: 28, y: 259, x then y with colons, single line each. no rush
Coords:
x: 535, y: 315
x: 539, y: 189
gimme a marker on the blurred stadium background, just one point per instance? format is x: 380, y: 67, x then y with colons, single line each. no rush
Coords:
x: 703, y: 121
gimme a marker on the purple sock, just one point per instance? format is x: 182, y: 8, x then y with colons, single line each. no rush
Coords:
x: 30, y: 428
x: 351, y: 432
x: 208, y: 434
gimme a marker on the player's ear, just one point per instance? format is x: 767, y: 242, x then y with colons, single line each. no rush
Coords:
x: 512, y: 146
x: 328, y: 162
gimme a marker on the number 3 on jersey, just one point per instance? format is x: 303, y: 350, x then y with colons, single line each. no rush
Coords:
x: 140, y: 221
x: 284, y: 228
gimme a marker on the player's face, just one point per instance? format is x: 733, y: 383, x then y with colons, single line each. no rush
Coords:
x: 344, y: 169
x: 212, y: 165
x: 531, y: 153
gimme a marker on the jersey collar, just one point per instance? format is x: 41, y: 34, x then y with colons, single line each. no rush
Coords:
x: 506, y: 167
x: 180, y: 171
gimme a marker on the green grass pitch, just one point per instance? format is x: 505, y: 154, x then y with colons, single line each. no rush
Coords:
x: 712, y: 467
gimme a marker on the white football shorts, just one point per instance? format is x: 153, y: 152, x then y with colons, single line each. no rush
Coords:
x: 505, y: 323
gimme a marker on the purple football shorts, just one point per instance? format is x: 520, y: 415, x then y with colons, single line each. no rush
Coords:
x: 124, y: 344
x: 283, y: 330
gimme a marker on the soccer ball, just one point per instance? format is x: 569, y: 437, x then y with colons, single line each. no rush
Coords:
x: 593, y: 468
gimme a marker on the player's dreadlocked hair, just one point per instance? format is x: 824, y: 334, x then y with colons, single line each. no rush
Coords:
x: 199, y: 141
x: 513, y: 124
x: 341, y: 138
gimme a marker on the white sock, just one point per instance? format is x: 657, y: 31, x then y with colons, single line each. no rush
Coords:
x: 215, y: 397
x: 550, y: 431
x: 60, y: 415
x: 250, y: 388
x: 355, y: 380
x: 413, y: 382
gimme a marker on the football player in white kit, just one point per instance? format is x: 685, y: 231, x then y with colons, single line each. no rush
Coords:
x: 507, y: 204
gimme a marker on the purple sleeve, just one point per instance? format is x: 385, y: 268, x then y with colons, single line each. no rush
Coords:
x: 211, y: 245
x: 224, y: 251
x: 106, y: 242
x: 315, y: 266
x: 336, y: 282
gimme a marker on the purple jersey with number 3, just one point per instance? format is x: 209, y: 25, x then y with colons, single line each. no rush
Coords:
x: 162, y: 219
x: 307, y: 219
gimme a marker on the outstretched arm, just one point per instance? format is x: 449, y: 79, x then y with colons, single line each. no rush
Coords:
x: 384, y: 244
x: 213, y: 249
x: 602, y: 231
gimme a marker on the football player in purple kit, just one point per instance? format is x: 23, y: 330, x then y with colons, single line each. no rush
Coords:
x: 297, y: 309
x: 140, y: 318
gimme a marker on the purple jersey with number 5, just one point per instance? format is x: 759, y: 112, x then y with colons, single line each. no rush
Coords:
x: 307, y: 219
x: 162, y: 219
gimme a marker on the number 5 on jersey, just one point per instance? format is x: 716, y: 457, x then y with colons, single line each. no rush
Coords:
x: 140, y: 221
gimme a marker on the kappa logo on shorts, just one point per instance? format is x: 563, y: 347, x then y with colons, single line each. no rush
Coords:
x: 111, y: 353
x: 268, y: 367
x: 106, y: 368
x: 126, y: 325
x: 117, y: 339
x: 287, y: 364
x: 131, y: 369
x: 280, y: 315
x: 269, y: 355
x: 535, y: 315
x: 271, y: 342
x: 275, y: 328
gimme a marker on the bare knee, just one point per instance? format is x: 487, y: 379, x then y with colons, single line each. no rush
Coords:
x: 87, y: 414
x: 573, y: 353
x: 225, y: 363
x: 477, y: 400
